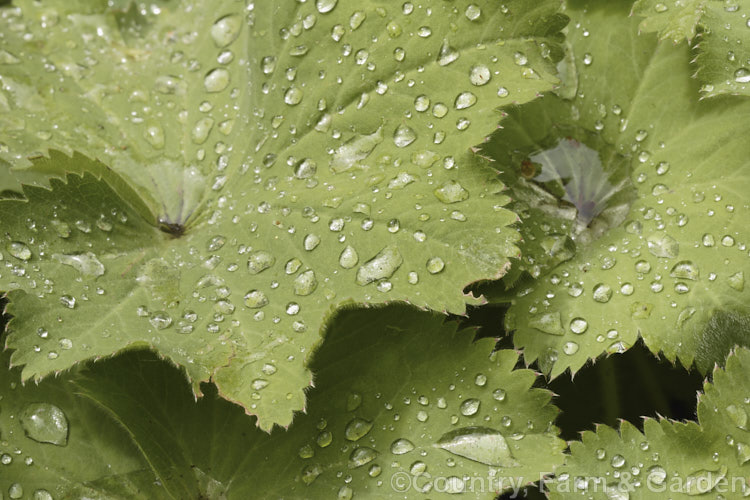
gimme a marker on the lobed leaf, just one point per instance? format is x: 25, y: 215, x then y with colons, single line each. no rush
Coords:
x: 675, y: 459
x: 678, y: 257
x: 336, y: 142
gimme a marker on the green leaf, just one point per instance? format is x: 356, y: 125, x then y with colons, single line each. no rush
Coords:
x: 387, y: 394
x: 679, y: 256
x: 56, y: 442
x: 300, y: 163
x: 674, y: 459
x: 721, y: 31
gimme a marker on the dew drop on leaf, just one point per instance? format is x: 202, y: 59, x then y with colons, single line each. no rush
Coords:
x: 470, y: 407
x: 45, y: 423
x: 19, y: 250
x: 401, y: 446
x: 382, y: 266
x: 226, y: 30
x: 85, y: 263
x: 480, y: 444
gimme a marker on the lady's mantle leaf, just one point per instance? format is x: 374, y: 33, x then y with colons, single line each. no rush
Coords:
x: 392, y: 407
x: 58, y: 445
x: 670, y: 459
x: 334, y: 139
x: 679, y: 257
x: 721, y: 30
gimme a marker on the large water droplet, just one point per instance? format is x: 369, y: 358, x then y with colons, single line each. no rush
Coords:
x: 480, y: 75
x: 663, y: 245
x: 480, y: 444
x: 451, y: 192
x: 87, y: 264
x: 305, y: 283
x: 548, y: 323
x: 226, y: 30
x: 348, y: 258
x: 382, y: 266
x: 685, y: 270
x: 403, y: 136
x: 470, y: 407
x: 357, y: 428
x: 45, y: 423
x: 216, y: 80
x: 465, y: 100
x: 361, y: 456
x: 703, y: 481
x: 19, y: 250
x: 310, y: 473
x: 401, y: 446
x: 255, y: 299
x: 353, y: 151
x: 325, y: 6
x: 259, y: 261
x: 602, y: 292
x: 742, y: 75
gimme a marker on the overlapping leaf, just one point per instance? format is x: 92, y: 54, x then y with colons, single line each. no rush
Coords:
x: 722, y: 33
x: 679, y: 257
x: 379, y: 432
x: 670, y: 459
x: 334, y: 141
x: 55, y: 443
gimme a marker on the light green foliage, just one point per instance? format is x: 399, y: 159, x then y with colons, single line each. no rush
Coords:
x: 670, y: 459
x: 313, y: 154
x: 679, y: 256
x: 402, y: 386
x: 721, y: 32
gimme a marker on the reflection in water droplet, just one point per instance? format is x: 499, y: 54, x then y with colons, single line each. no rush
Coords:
x: 216, y: 80
x: 602, y: 293
x: 310, y: 473
x: 325, y: 6
x: 255, y: 299
x: 45, y: 423
x: 435, y: 265
x: 404, y: 136
x: 348, y: 258
x: 480, y: 444
x: 451, y: 192
x: 480, y: 75
x: 663, y: 245
x: 19, y: 250
x: 259, y: 261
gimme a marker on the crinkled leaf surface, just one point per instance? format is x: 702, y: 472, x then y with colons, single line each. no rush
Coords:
x: 390, y: 383
x: 56, y: 442
x: 722, y: 35
x: 679, y: 256
x: 670, y: 459
x: 306, y: 154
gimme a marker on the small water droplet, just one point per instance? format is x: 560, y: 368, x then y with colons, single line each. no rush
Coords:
x: 451, y: 192
x: 357, y: 428
x: 404, y: 136
x: 19, y: 250
x: 255, y: 299
x: 226, y: 30
x: 348, y: 258
x: 216, y: 80
x: 382, y: 266
x: 325, y: 6
x: 259, y: 261
x: 663, y: 245
x: 305, y: 283
x: 480, y: 444
x: 86, y: 263
x: 435, y: 265
x: 602, y: 293
x: 470, y: 407
x: 480, y: 75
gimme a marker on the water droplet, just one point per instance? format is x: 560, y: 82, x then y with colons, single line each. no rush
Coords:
x: 160, y: 320
x: 548, y: 323
x: 602, y: 293
x: 306, y: 452
x: 15, y: 491
x: 499, y: 394
x: 293, y: 96
x: 259, y: 261
x: 737, y: 281
x: 738, y: 416
x: 447, y: 54
x: 479, y: 444
x: 382, y: 266
x: 703, y: 481
x: 353, y: 151
x: 87, y: 264
x: 255, y: 299
x: 348, y: 258
x: 311, y: 241
x: 226, y: 30
x: 403, y: 136
x: 451, y: 192
x: 68, y: 301
x: 643, y: 266
x: 45, y: 423
x: 401, y: 446
x: 19, y: 250
x: 578, y: 325
x: 216, y: 80
x: 311, y: 472
x: 742, y: 75
x: 570, y: 348
x: 473, y: 12
x: 470, y: 407
x: 353, y: 401
x: 292, y: 265
x: 663, y: 245
x: 480, y: 75
x: 685, y: 270
x: 361, y: 456
x: 324, y: 439
x: 305, y: 283
x: 325, y: 6
x: 435, y: 265
x: 357, y: 428
x: 656, y: 475
x: 465, y: 100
